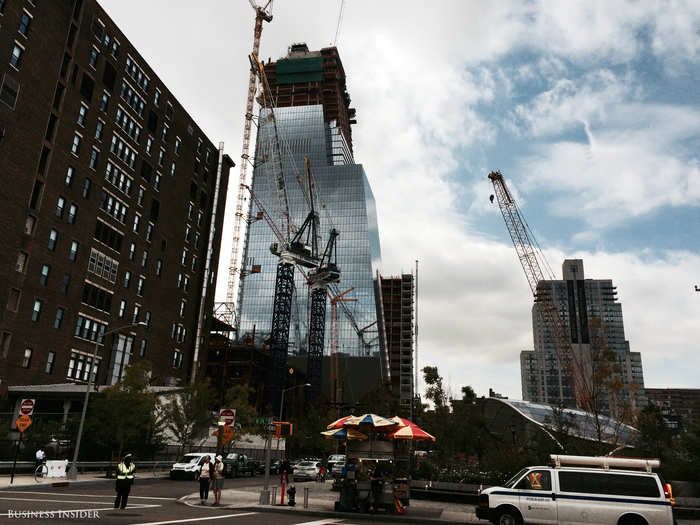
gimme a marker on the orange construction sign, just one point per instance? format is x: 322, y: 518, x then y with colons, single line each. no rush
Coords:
x: 226, y: 435
x: 23, y: 423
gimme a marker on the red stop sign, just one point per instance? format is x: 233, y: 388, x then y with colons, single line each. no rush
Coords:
x: 228, y: 415
x: 26, y: 407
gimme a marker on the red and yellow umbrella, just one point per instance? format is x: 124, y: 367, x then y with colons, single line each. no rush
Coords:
x: 344, y: 434
x: 377, y: 422
x: 411, y: 433
x: 403, y: 422
x: 338, y: 423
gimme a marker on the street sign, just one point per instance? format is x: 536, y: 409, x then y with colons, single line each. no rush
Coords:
x: 23, y: 422
x: 228, y: 415
x: 26, y: 407
x: 271, y: 427
x: 266, y: 420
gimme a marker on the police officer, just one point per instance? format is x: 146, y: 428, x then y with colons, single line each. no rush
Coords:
x: 125, y: 478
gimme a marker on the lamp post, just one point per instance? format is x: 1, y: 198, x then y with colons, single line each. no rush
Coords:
x: 73, y: 471
x: 282, y: 399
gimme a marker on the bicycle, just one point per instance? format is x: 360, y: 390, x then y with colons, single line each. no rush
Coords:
x: 41, y: 472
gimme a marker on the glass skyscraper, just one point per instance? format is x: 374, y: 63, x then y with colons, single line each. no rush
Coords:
x: 346, y: 204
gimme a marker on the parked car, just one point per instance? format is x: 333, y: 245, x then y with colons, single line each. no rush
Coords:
x: 258, y: 466
x: 189, y: 465
x: 274, y: 466
x: 333, y: 460
x: 236, y: 465
x: 306, y: 470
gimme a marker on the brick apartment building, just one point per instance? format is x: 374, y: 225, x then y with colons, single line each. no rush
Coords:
x: 108, y: 192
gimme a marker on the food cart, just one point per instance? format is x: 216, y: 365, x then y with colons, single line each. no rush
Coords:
x: 375, y: 476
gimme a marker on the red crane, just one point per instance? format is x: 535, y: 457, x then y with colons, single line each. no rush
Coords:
x: 529, y: 254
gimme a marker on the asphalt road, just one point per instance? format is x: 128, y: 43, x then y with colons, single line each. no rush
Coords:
x: 150, y: 502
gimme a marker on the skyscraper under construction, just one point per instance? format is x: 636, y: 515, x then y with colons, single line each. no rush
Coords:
x: 313, y: 120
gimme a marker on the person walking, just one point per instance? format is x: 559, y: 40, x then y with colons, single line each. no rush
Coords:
x: 205, y: 476
x: 125, y: 478
x: 218, y: 479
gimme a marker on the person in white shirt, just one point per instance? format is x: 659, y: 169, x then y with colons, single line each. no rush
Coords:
x: 40, y: 457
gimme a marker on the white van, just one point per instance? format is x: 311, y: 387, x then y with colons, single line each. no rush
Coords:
x: 189, y: 465
x: 581, y: 490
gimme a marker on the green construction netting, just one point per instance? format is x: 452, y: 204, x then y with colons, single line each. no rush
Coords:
x: 294, y: 70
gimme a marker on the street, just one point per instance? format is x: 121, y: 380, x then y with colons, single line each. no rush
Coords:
x: 150, y: 501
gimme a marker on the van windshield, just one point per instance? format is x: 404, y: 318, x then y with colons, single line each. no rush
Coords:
x: 512, y: 481
x: 189, y: 459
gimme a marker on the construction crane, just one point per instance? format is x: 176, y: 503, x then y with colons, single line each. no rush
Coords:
x: 529, y: 255
x: 335, y: 388
x: 262, y: 14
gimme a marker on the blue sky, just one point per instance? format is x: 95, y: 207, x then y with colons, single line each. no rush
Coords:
x: 590, y: 109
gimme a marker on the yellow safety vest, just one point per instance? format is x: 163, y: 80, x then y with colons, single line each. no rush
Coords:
x: 124, y: 472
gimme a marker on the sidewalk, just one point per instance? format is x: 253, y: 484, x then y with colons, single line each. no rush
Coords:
x: 26, y: 480
x: 321, y: 499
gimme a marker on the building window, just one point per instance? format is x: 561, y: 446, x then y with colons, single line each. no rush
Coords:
x: 177, y: 359
x: 179, y: 280
x: 36, y: 311
x: 53, y: 238
x: 24, y: 22
x: 149, y: 231
x: 82, y: 115
x: 21, y: 262
x: 80, y: 367
x: 65, y: 283
x: 156, y: 181
x: 135, y: 317
x: 161, y: 156
x: 103, y: 266
x: 182, y: 308
x: 45, y: 268
x: 9, y: 91
x: 113, y: 206
x: 75, y: 147
x: 149, y: 145
x: 196, y: 240
x: 94, y: 158
x: 132, y: 251
x: 194, y: 263
x: 137, y: 222
x: 122, y: 308
x: 186, y: 283
x: 183, y: 259
x: 115, y: 48
x: 172, y: 169
x: 156, y: 97
x: 188, y: 231
x: 159, y: 267
x: 139, y: 286
x: 72, y: 212
x: 13, y: 299
x: 94, y: 55
x: 144, y: 258
x: 27, y: 358
x: 177, y: 145
x: 90, y: 329
x: 50, y: 360
x: 73, y: 250
x: 141, y: 195
x: 59, y: 318
x: 99, y: 129
x: 69, y: 176
x: 104, y: 102
x: 29, y: 224
x: 87, y: 183
x: 144, y: 343
x: 60, y: 206
x: 127, y: 278
x: 16, y: 56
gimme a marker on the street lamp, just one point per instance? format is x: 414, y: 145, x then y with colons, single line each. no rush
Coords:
x: 73, y: 471
x: 290, y: 388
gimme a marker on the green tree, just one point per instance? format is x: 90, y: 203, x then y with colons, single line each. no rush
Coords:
x: 238, y: 397
x: 123, y: 417
x: 187, y: 414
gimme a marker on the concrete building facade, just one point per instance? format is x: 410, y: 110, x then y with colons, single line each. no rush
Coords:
x: 680, y: 406
x: 592, y: 316
x: 106, y: 221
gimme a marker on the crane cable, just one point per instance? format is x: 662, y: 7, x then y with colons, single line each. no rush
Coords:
x: 340, y: 19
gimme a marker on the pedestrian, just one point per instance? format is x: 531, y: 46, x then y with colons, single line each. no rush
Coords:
x: 218, y: 479
x: 205, y: 477
x: 322, y: 473
x: 125, y: 478
x: 40, y: 457
x: 285, y: 467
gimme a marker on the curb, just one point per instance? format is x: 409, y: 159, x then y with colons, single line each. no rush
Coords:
x: 280, y: 509
x: 66, y: 483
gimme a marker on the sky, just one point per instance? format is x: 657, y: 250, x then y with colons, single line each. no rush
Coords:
x: 589, y: 109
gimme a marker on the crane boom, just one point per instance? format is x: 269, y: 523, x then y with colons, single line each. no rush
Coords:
x: 525, y: 243
x: 262, y: 14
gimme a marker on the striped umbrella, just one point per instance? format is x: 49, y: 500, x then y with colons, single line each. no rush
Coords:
x: 373, y: 420
x: 403, y: 422
x: 344, y: 434
x: 338, y: 423
x: 411, y: 433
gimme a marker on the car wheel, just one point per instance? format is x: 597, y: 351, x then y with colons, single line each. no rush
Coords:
x: 509, y: 517
x: 632, y: 520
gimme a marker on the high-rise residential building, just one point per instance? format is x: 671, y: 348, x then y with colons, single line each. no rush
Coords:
x: 107, y: 201
x: 592, y: 317
x: 313, y: 118
x: 680, y: 406
x: 397, y: 322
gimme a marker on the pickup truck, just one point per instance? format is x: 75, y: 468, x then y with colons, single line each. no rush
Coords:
x: 236, y: 465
